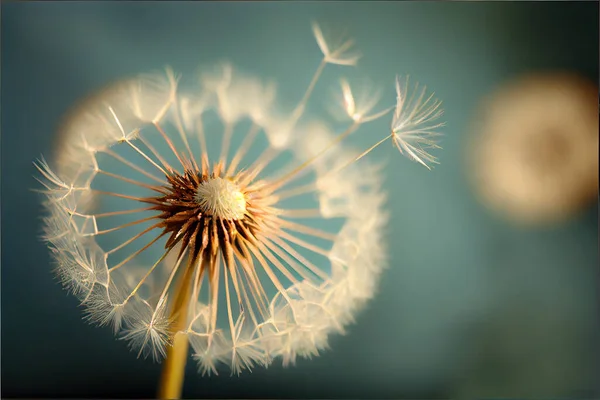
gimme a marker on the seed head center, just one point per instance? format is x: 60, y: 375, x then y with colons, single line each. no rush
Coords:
x: 221, y: 198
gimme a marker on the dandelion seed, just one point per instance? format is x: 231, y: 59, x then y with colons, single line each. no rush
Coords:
x: 359, y: 108
x: 176, y: 243
x: 414, y: 129
x: 339, y: 51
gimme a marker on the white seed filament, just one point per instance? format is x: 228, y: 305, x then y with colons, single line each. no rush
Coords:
x: 221, y: 198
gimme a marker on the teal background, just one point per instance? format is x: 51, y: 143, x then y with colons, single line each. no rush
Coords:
x: 471, y: 306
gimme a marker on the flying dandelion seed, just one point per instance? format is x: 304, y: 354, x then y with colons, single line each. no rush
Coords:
x: 176, y: 245
x: 414, y: 126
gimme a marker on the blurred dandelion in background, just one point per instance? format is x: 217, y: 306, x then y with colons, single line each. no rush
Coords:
x: 175, y: 236
x: 534, y: 154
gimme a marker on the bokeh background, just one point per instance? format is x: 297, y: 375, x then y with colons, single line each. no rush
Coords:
x: 472, y: 305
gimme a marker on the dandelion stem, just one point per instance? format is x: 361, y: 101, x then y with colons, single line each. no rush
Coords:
x: 173, y: 373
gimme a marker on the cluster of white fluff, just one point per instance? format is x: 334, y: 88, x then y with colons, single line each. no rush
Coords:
x: 297, y: 328
x: 132, y: 297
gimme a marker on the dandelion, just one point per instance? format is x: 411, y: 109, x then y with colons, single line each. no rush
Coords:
x: 177, y: 238
x: 534, y: 158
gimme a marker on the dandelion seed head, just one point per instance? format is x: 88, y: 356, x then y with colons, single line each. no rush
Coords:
x: 215, y: 215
